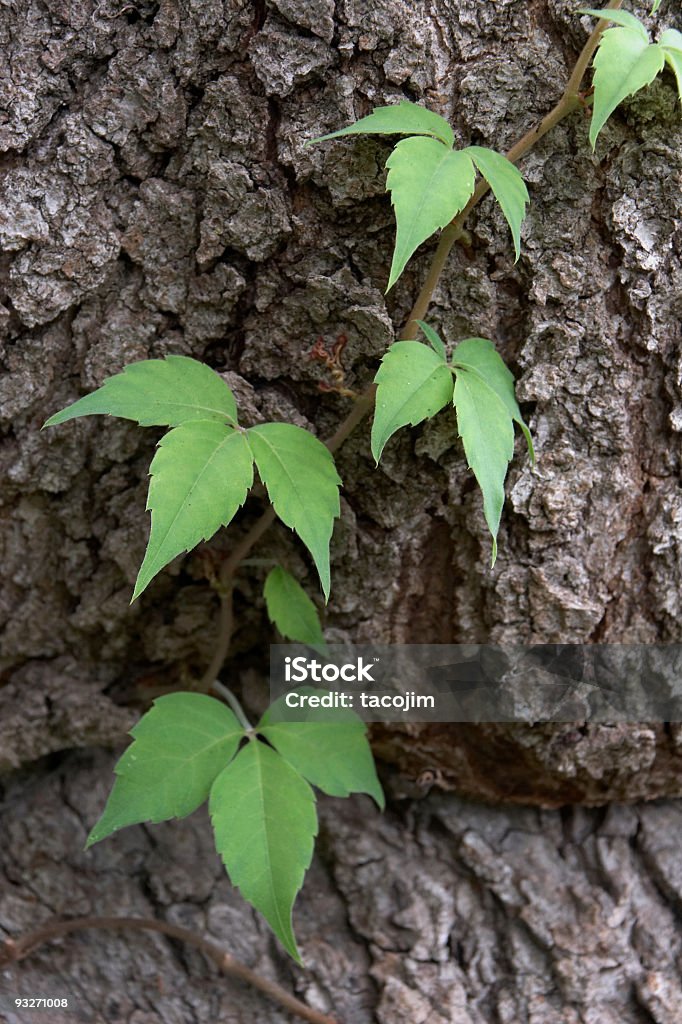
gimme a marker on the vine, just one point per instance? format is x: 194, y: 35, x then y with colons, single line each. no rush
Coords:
x: 190, y: 747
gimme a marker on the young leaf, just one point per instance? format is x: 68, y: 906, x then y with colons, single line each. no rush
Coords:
x: 302, y: 483
x: 671, y: 44
x: 486, y: 409
x: 154, y: 392
x: 200, y: 474
x: 329, y: 748
x: 507, y: 185
x: 264, y: 819
x: 429, y: 185
x: 180, y: 747
x: 291, y: 610
x: 414, y: 382
x: 625, y: 62
x: 433, y: 339
x: 480, y: 356
x: 402, y: 118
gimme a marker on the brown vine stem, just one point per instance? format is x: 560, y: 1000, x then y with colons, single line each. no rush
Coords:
x: 569, y: 101
x: 16, y: 949
x: 225, y: 589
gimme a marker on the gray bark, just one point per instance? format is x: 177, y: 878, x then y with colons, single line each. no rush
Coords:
x: 438, y: 912
x: 157, y: 198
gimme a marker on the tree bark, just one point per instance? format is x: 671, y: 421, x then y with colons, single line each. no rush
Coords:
x: 441, y: 911
x: 158, y: 198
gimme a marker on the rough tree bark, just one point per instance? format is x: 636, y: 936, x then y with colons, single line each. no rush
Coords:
x: 157, y: 199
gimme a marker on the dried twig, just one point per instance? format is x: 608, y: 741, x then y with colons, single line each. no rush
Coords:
x: 13, y: 950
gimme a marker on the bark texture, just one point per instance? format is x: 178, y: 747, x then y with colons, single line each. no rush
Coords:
x: 157, y: 198
x: 438, y: 912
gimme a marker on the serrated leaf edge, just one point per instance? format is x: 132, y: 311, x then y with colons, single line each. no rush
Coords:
x: 353, y: 129
x: 377, y: 455
x: 230, y: 432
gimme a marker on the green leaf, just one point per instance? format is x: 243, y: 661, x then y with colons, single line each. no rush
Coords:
x: 486, y: 409
x: 302, y: 483
x: 433, y: 339
x: 264, y: 819
x: 414, y: 382
x: 291, y: 610
x: 671, y: 45
x: 200, y: 474
x: 328, y: 746
x: 154, y: 392
x: 480, y: 356
x: 429, y: 185
x: 402, y: 118
x: 625, y: 62
x: 657, y: 4
x: 507, y: 185
x: 180, y: 746
x: 671, y: 39
x: 623, y: 18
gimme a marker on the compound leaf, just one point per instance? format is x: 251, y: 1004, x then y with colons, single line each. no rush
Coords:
x: 328, y: 746
x: 154, y: 392
x: 402, y: 118
x: 507, y: 185
x: 486, y: 411
x: 291, y: 610
x: 624, y: 63
x: 302, y: 483
x: 414, y: 382
x: 265, y: 822
x: 623, y: 18
x: 671, y: 44
x: 200, y: 476
x: 429, y: 185
x: 180, y: 747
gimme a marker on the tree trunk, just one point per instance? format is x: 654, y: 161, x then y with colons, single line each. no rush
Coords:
x: 158, y: 198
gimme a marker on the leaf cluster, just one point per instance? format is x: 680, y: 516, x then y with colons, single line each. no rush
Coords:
x: 203, y: 469
x: 190, y: 748
x: 431, y: 182
x: 415, y: 381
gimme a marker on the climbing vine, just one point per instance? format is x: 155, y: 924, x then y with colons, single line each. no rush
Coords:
x: 191, y: 747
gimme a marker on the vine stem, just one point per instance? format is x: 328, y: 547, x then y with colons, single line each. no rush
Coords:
x: 13, y: 950
x: 226, y: 588
x: 570, y: 100
x: 223, y: 640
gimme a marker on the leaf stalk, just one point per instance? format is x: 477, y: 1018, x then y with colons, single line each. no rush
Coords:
x: 227, y: 695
